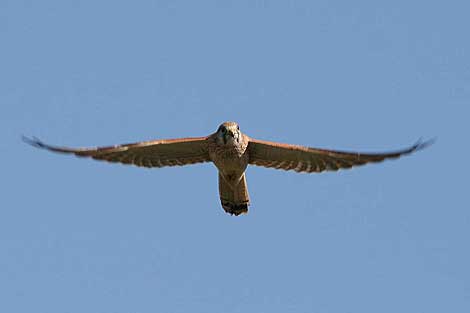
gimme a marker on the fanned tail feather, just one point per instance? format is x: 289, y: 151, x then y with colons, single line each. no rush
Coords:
x: 234, y: 201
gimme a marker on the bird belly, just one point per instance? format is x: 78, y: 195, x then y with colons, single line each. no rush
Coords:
x: 232, y: 169
x: 231, y: 166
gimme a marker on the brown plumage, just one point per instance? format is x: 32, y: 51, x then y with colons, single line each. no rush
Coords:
x: 231, y: 151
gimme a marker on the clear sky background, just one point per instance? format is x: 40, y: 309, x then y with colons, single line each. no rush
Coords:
x: 84, y: 236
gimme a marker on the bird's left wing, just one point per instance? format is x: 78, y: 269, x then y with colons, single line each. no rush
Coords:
x: 155, y: 153
x: 305, y: 159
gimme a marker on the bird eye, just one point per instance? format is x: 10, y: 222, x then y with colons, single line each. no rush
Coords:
x: 238, y: 127
x: 223, y: 129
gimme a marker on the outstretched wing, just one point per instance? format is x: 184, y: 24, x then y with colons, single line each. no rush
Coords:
x: 305, y: 159
x: 155, y: 153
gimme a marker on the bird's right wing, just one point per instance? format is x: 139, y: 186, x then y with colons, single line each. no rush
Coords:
x: 155, y: 153
x: 304, y: 159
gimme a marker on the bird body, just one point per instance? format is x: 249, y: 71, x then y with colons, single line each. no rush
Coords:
x: 231, y: 151
x: 228, y: 151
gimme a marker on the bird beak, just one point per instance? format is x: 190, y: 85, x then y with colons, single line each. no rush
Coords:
x: 227, y: 135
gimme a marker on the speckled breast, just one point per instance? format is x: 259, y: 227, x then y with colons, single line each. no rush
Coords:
x: 230, y: 158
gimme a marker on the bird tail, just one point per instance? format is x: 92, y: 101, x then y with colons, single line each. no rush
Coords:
x: 234, y: 201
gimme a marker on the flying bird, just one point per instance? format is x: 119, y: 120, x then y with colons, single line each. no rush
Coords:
x: 231, y: 151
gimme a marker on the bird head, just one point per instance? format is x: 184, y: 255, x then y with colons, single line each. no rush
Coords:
x: 228, y: 133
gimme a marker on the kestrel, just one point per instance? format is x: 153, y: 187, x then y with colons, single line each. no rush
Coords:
x: 231, y: 151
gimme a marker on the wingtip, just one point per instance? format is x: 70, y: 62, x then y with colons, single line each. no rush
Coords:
x: 33, y: 141
x: 420, y: 144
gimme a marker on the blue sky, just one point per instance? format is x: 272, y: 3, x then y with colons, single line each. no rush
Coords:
x: 84, y: 236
